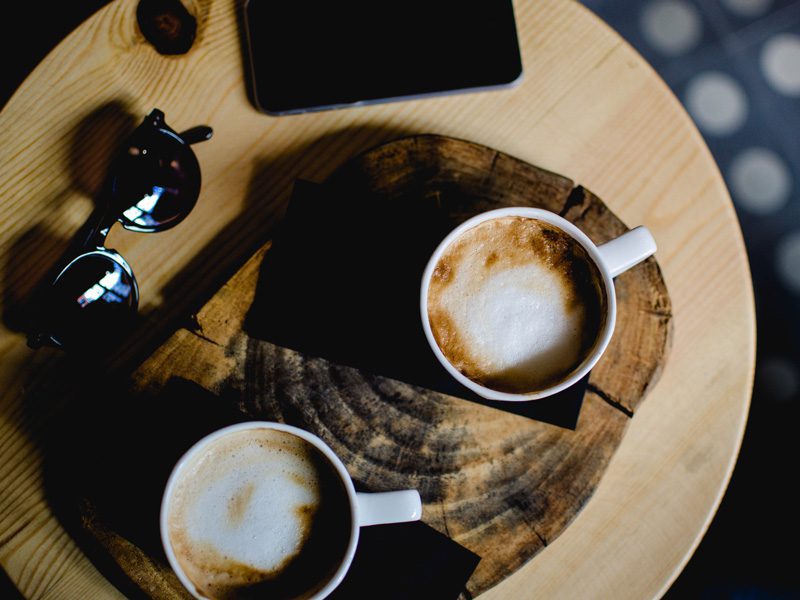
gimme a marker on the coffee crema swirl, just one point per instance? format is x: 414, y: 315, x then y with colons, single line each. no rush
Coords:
x: 259, y: 513
x: 515, y: 304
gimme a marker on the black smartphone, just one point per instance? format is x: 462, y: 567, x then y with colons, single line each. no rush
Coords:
x: 320, y: 55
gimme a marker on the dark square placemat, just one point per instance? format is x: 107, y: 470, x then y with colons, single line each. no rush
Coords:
x: 404, y: 561
x: 342, y: 282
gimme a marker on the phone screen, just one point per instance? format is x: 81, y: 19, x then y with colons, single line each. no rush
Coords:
x: 326, y: 54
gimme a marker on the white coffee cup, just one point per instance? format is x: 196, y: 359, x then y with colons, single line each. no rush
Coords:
x: 365, y: 508
x: 611, y: 259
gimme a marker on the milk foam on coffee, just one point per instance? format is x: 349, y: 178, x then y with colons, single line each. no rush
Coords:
x: 514, y: 303
x: 243, y: 509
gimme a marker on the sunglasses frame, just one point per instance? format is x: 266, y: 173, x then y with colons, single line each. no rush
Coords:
x: 90, y: 241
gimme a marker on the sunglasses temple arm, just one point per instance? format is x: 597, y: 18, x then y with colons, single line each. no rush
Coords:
x: 38, y: 340
x: 198, y: 134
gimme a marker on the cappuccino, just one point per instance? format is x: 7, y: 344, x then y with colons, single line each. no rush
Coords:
x: 259, y: 513
x: 516, y: 304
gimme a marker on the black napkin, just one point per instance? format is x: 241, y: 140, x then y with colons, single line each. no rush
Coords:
x: 406, y: 561
x: 342, y: 282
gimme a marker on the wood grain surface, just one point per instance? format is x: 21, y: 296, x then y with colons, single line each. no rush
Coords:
x: 589, y: 108
x: 499, y: 483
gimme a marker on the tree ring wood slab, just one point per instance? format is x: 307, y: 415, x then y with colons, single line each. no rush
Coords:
x: 498, y: 483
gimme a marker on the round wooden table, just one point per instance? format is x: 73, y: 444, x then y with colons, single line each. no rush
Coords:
x: 589, y: 108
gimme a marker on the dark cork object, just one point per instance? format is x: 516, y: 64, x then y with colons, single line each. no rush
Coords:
x: 167, y: 25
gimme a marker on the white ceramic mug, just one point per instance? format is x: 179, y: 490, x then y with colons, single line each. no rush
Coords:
x: 365, y: 508
x: 611, y: 259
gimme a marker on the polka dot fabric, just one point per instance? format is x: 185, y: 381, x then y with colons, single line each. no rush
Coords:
x: 735, y: 65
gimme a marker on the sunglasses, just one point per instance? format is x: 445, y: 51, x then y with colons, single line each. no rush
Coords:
x: 152, y: 185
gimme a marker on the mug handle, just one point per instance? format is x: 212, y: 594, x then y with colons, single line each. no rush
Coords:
x: 388, y: 507
x: 628, y: 250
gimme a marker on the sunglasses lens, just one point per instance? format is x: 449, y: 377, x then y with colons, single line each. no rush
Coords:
x: 93, y: 300
x: 156, y: 182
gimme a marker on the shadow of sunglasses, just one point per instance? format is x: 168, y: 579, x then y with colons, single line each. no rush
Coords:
x: 152, y: 185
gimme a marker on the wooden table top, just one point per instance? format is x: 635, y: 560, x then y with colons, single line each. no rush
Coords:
x: 589, y: 108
